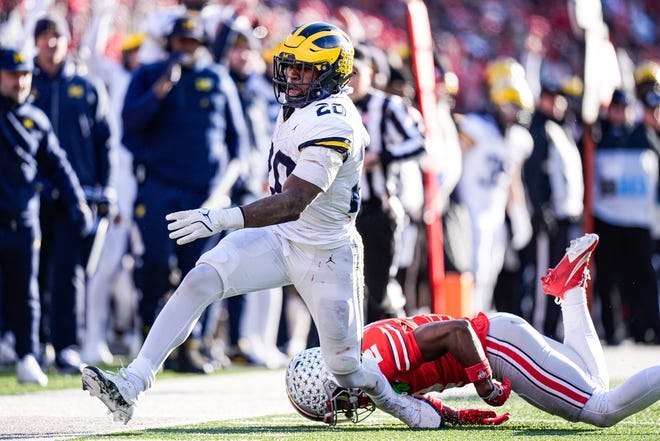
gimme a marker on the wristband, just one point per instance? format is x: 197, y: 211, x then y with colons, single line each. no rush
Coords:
x: 496, y: 392
x: 234, y: 217
x: 479, y: 371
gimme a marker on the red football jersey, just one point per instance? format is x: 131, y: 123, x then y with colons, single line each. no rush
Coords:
x: 392, y: 344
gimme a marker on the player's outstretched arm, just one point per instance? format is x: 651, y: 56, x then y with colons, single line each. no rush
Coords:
x: 189, y: 225
x: 286, y: 206
x: 458, y: 338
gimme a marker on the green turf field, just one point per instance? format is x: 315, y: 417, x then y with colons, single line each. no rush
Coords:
x: 526, y: 423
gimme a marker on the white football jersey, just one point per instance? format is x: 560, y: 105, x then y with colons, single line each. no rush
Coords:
x: 322, y: 143
x: 489, y: 165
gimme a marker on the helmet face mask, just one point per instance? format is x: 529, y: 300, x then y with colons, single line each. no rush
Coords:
x: 314, y: 393
x: 323, y: 56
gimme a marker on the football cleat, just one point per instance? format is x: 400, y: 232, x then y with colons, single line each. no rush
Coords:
x: 573, y: 269
x: 416, y: 412
x: 29, y: 371
x: 115, y: 391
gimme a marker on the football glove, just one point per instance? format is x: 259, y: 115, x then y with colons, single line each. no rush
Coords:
x: 500, y: 393
x: 476, y: 417
x: 187, y: 226
x: 466, y: 416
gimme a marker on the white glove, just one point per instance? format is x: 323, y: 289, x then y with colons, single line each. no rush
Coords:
x: 187, y: 226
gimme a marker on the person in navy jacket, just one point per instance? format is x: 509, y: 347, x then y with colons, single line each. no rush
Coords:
x: 77, y: 107
x: 183, y: 122
x: 28, y: 147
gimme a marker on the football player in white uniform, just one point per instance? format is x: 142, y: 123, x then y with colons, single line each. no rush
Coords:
x: 494, y: 145
x: 302, y: 234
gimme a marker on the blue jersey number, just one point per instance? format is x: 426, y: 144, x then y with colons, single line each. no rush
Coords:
x: 280, y: 163
x: 326, y: 108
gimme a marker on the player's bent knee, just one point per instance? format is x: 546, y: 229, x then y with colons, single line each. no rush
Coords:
x: 202, y: 280
x: 598, y: 412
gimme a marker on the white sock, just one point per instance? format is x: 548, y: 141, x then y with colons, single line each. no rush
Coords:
x: 581, y: 336
x: 175, y: 321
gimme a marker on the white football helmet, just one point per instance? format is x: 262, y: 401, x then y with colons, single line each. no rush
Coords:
x: 315, y: 394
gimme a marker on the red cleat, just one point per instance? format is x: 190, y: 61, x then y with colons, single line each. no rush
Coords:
x: 572, y: 270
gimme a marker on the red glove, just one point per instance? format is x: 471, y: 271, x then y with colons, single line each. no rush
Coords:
x: 481, y: 417
x: 500, y: 393
x: 466, y: 416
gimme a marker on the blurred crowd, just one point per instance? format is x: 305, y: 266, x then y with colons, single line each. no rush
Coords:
x: 148, y: 107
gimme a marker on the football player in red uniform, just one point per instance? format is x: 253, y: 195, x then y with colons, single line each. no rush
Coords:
x: 497, y: 354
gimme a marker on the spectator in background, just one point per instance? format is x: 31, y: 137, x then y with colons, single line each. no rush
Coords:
x: 78, y: 109
x: 111, y: 278
x: 238, y: 14
x: 555, y: 187
x: 258, y: 314
x: 28, y: 146
x: 611, y: 207
x: 184, y: 107
x: 630, y: 189
x: 495, y: 143
x: 396, y: 136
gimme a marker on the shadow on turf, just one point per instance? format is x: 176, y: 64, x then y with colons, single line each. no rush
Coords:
x: 295, y: 428
x: 243, y: 430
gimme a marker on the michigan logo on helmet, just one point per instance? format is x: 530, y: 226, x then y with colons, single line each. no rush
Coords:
x: 315, y: 394
x: 321, y: 48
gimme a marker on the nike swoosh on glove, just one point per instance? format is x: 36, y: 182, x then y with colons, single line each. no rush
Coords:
x: 500, y: 393
x: 190, y: 225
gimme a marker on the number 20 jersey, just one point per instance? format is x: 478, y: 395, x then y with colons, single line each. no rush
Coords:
x: 322, y: 143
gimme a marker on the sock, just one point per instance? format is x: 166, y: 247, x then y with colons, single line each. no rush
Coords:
x: 580, y: 335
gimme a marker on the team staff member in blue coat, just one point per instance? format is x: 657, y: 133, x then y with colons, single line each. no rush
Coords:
x: 183, y: 122
x: 27, y: 146
x: 630, y: 214
x: 77, y: 108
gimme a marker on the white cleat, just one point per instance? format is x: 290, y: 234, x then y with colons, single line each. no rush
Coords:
x: 417, y: 413
x: 29, y: 371
x: 115, y: 391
